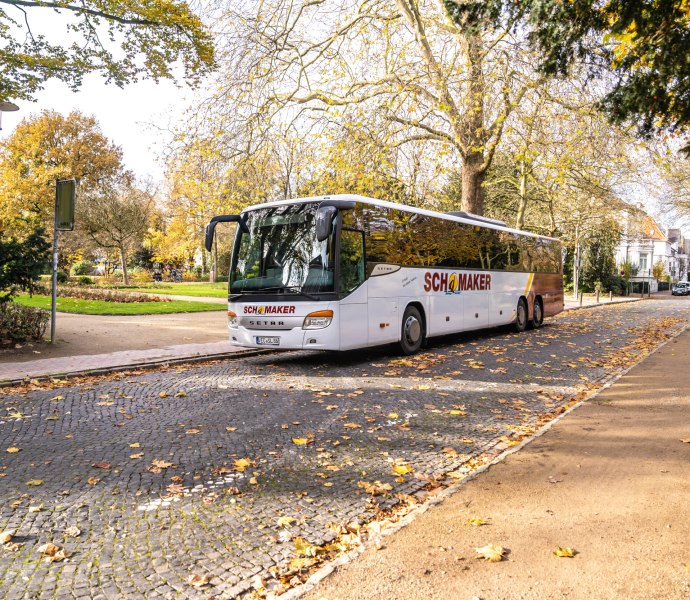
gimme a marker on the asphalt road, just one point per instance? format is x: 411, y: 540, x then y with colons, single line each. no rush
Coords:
x: 188, y: 471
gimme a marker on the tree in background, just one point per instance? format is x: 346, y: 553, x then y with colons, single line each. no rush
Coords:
x: 402, y: 64
x: 117, y: 217
x: 22, y: 262
x: 640, y: 47
x: 43, y: 149
x: 123, y: 41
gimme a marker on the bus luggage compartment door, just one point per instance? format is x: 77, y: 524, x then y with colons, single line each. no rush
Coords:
x: 384, y: 321
x: 475, y: 309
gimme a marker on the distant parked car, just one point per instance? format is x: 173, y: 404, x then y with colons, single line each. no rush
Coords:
x: 682, y: 288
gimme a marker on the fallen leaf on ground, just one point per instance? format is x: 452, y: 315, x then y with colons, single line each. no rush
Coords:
x: 35, y: 482
x: 285, y: 521
x: 686, y: 441
x: 101, y: 465
x: 135, y: 445
x: 231, y: 429
x: 72, y: 531
x: 302, y: 441
x: 48, y: 549
x: 137, y: 455
x: 402, y: 469
x: 375, y: 489
x: 92, y: 480
x: 490, y: 552
x: 36, y: 509
x: 161, y: 464
x: 6, y: 536
x: 13, y: 450
x: 193, y: 431
x: 197, y: 580
x: 180, y: 394
x: 352, y: 426
x: 241, y: 464
x: 564, y: 552
x: 61, y: 554
x: 476, y: 521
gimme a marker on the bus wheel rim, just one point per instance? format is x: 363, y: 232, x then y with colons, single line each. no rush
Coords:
x: 537, y: 312
x: 413, y: 330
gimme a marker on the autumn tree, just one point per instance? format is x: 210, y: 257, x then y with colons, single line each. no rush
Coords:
x: 404, y: 63
x: 639, y: 47
x: 123, y: 41
x: 43, y: 149
x: 116, y: 217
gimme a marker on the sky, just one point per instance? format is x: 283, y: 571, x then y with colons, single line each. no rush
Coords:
x: 137, y: 118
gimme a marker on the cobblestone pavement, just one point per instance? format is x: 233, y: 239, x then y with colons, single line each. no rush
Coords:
x: 187, y: 471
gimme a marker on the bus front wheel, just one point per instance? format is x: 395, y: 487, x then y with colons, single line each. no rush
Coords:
x: 412, y: 331
x: 521, y: 316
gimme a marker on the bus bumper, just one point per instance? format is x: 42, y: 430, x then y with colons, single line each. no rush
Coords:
x: 291, y: 339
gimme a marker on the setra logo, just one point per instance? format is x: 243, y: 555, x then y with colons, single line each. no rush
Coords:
x: 454, y: 283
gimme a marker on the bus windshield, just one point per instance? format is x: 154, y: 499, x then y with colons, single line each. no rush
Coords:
x: 281, y: 254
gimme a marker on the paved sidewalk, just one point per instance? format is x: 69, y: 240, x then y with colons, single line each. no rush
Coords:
x: 610, y: 480
x: 142, y: 340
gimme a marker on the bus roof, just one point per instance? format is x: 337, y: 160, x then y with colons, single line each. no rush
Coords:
x: 404, y: 207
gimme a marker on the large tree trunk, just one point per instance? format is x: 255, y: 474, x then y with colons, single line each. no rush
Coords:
x: 472, y: 179
x: 522, y: 202
x: 123, y: 258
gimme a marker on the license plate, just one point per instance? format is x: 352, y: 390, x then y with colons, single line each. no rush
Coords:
x: 263, y: 340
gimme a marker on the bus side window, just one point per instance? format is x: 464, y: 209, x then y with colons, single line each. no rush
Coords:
x: 351, y: 260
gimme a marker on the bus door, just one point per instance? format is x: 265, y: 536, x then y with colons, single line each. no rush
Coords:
x: 353, y: 306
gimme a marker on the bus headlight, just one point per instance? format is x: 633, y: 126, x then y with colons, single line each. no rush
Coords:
x: 232, y: 319
x: 318, y: 319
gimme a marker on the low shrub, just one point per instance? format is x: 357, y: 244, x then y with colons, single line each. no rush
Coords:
x: 62, y: 277
x: 83, y: 267
x: 83, y: 280
x: 108, y: 294
x: 21, y: 324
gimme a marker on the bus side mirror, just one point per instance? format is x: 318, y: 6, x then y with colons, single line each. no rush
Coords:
x: 211, y: 227
x: 324, y: 222
x: 210, y: 230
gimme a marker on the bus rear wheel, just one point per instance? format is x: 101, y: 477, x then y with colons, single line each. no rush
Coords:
x: 521, y: 316
x: 537, y: 314
x: 412, y: 331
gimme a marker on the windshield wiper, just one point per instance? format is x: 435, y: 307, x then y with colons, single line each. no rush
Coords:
x: 282, y: 288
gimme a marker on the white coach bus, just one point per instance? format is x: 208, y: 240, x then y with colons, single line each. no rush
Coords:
x: 343, y: 272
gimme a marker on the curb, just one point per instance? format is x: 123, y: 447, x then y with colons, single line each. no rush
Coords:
x: 141, y: 365
x: 602, y: 304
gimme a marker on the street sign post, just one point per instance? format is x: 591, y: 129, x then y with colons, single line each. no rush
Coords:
x: 65, y: 196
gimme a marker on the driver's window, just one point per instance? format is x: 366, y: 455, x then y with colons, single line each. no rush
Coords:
x: 351, y: 260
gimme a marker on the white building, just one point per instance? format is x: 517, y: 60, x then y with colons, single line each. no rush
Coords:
x: 643, y: 245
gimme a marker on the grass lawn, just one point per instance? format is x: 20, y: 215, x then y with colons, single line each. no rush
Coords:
x: 206, y: 290
x: 100, y: 307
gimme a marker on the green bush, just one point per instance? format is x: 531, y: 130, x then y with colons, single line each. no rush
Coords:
x: 21, y: 324
x: 62, y: 277
x: 85, y: 280
x: 84, y: 267
x: 21, y: 263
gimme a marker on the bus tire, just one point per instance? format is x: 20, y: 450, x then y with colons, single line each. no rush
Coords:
x: 411, y: 331
x: 537, y: 314
x: 520, y: 316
